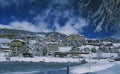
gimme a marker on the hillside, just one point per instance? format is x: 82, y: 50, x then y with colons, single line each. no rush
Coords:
x: 13, y: 33
x: 113, y: 40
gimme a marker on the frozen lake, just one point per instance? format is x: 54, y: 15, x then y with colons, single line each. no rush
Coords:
x: 32, y: 68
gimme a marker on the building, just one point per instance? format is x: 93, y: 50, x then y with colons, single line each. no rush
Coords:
x: 95, y: 42
x: 4, y: 44
x: 74, y: 40
x: 5, y: 41
x: 17, y: 46
x: 68, y: 52
x: 3, y: 47
x: 52, y: 47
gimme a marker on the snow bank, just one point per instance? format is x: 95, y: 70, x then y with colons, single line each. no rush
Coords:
x: 44, y: 59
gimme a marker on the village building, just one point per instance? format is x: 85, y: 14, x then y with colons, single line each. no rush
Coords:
x: 68, y: 52
x: 4, y: 48
x: 74, y: 40
x: 41, y: 47
x: 17, y: 46
x: 88, y: 48
x: 5, y: 41
x: 52, y: 47
x: 62, y: 51
x: 95, y: 42
x: 4, y: 44
x: 110, y: 47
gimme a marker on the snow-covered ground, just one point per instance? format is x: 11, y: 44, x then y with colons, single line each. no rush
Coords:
x: 105, y: 55
x: 95, y: 64
x: 98, y: 66
x: 38, y: 59
x: 2, y: 56
x: 44, y: 59
x: 55, y: 59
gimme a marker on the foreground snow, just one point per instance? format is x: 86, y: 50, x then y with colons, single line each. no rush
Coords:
x: 95, y: 64
x: 98, y: 66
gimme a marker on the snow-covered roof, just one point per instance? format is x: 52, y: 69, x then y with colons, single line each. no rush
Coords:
x: 116, y: 44
x: 3, y: 46
x: 5, y: 40
x: 40, y: 35
x: 88, y: 46
x: 19, y: 40
x: 64, y: 49
x: 106, y: 43
x: 51, y: 42
x: 92, y: 39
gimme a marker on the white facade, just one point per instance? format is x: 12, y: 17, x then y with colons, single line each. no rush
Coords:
x: 64, y: 49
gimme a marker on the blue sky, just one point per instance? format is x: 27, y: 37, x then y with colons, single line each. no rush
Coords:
x: 49, y: 16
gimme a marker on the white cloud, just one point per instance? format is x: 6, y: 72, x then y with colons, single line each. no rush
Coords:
x: 25, y: 25
x: 42, y: 24
x: 80, y: 24
x: 66, y: 13
x: 117, y: 35
x: 43, y: 27
x: 69, y: 28
x: 4, y: 26
x: 72, y: 26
